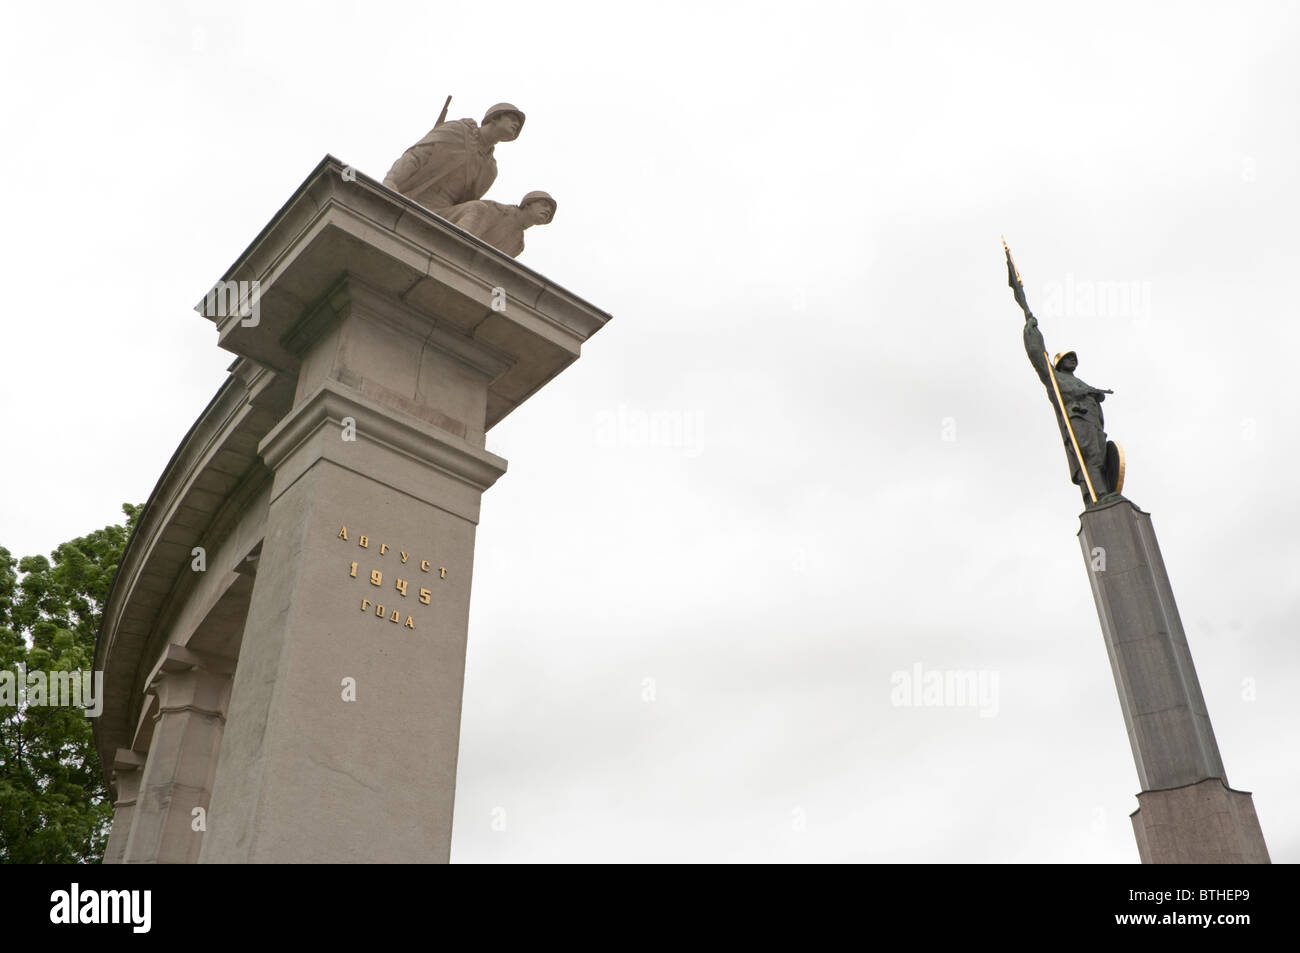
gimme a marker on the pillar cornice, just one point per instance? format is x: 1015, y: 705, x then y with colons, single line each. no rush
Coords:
x: 315, y: 430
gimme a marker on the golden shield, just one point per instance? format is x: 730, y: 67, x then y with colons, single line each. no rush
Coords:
x: 1114, y: 466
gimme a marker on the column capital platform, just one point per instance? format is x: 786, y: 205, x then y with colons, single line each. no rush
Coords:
x: 439, y: 281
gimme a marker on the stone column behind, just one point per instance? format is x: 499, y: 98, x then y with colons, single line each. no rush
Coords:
x: 178, y: 773
x: 126, y: 778
x: 1187, y: 812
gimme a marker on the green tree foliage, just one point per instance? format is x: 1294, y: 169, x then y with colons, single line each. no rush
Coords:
x: 54, y: 805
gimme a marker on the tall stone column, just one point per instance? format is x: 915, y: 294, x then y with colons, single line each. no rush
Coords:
x: 1187, y: 812
x: 192, y: 692
x: 408, y: 339
x: 126, y: 778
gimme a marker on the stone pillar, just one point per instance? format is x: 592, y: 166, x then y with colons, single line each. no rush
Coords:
x: 408, y: 341
x: 177, y: 775
x: 345, y: 717
x: 1187, y: 813
x: 126, y: 778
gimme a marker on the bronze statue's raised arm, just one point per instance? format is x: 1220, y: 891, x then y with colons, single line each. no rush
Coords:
x: 1036, y: 350
x: 1034, y: 346
x: 1017, y: 286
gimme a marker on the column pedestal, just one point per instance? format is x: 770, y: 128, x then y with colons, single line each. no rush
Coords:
x: 1187, y: 813
x: 1204, y: 823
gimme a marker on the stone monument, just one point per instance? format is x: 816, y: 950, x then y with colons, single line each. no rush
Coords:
x: 1187, y: 813
x: 284, y: 645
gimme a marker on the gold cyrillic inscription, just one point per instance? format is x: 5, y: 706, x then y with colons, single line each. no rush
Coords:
x: 401, y: 586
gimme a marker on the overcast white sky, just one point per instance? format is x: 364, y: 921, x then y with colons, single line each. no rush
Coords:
x: 793, y: 212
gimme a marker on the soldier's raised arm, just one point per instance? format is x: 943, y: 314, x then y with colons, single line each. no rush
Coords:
x: 1035, y: 349
x: 1017, y: 287
x: 1034, y: 346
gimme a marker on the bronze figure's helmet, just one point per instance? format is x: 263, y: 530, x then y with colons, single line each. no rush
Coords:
x: 1061, y: 355
x: 539, y: 197
x: 500, y: 108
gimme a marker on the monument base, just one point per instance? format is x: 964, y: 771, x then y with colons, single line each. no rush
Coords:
x: 1187, y: 813
x: 1203, y: 823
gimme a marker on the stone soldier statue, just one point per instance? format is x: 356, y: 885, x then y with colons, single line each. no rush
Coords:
x: 1078, y: 410
x: 502, y: 226
x: 454, y: 163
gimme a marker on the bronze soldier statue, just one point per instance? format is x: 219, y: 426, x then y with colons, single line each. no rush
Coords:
x: 1096, y: 464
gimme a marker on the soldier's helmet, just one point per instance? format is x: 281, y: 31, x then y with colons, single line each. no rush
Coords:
x: 539, y: 197
x: 1062, y: 355
x: 501, y: 108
